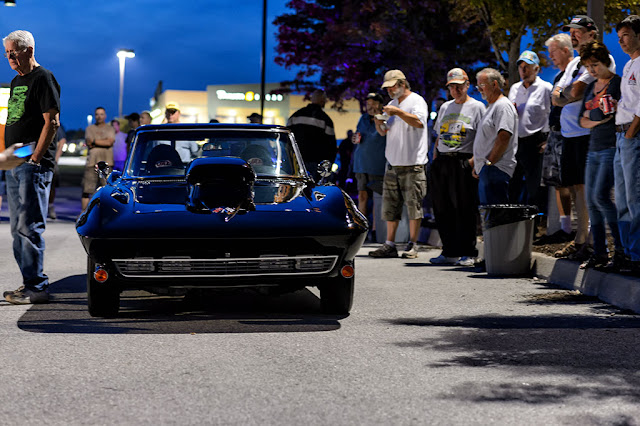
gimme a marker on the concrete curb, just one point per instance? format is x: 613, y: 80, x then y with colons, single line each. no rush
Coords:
x: 618, y: 290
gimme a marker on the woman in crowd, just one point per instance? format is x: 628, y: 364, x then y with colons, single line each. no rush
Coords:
x: 598, y: 114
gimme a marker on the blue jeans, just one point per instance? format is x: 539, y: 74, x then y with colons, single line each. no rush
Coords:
x: 626, y: 166
x: 493, y: 186
x: 28, y: 189
x: 598, y: 183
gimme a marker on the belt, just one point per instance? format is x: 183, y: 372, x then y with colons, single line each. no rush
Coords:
x: 622, y: 127
x: 455, y: 154
x: 389, y: 167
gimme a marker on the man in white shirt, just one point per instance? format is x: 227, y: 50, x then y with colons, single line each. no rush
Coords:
x: 532, y: 98
x: 568, y: 94
x: 626, y: 162
x: 496, y: 142
x: 405, y: 181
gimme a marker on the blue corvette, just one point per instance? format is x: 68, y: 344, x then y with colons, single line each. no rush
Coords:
x: 243, y: 213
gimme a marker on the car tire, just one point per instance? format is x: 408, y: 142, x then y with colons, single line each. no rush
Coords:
x: 336, y: 295
x: 103, y: 299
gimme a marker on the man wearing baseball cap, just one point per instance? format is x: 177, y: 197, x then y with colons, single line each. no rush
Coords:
x: 568, y: 93
x: 454, y: 190
x: 532, y: 98
x: 405, y: 180
x: 187, y: 149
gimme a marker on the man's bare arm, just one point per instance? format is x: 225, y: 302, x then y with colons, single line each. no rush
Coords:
x: 51, y: 124
x: 500, y: 146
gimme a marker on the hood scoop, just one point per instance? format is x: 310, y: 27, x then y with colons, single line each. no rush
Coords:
x: 220, y: 185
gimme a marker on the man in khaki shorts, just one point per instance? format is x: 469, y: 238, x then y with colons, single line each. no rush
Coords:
x: 405, y: 181
x: 100, y: 138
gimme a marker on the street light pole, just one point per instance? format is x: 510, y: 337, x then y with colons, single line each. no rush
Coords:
x: 122, y: 55
x: 263, y: 56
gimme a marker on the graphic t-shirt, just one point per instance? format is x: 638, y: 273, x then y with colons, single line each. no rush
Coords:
x: 31, y: 96
x: 629, y: 105
x: 457, y: 125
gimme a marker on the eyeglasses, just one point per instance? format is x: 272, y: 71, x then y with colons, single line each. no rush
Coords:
x: 482, y: 85
x: 11, y: 54
x: 171, y: 111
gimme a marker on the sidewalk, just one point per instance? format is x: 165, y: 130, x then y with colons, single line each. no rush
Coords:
x: 619, y: 290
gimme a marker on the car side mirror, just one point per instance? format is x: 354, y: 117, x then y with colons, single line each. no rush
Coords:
x: 103, y: 169
x: 324, y: 170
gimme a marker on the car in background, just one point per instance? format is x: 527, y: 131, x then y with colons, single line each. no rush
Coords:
x: 244, y: 213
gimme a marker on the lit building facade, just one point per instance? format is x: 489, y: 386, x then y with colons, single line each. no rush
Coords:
x: 233, y: 103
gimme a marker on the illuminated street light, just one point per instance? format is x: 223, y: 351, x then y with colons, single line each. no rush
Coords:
x: 122, y: 55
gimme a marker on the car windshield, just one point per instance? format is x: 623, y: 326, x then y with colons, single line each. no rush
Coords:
x: 168, y: 153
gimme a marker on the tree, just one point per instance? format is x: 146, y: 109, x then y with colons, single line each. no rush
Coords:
x: 507, y: 21
x: 346, y: 46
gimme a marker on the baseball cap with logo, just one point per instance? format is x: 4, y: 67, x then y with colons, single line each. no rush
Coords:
x: 457, y: 76
x: 392, y: 77
x: 529, y: 57
x: 172, y: 105
x: 581, y: 21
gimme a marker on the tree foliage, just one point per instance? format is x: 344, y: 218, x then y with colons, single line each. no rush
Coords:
x: 346, y: 46
x: 507, y: 21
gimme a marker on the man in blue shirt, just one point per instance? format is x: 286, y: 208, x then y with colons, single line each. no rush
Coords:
x: 368, y: 157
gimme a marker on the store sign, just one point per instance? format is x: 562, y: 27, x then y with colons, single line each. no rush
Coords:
x: 249, y: 96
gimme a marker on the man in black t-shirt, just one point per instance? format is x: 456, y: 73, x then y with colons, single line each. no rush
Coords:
x: 33, y: 116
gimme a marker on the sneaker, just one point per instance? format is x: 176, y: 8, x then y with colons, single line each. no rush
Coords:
x: 465, y: 261
x: 566, y: 251
x: 51, y: 214
x: 444, y: 260
x: 27, y: 297
x: 6, y: 293
x: 595, y: 262
x: 584, y: 252
x: 410, y: 252
x: 385, y: 251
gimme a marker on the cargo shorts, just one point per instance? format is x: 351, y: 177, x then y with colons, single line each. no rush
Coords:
x: 403, y: 186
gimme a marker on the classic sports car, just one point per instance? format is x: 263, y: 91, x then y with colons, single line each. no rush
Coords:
x: 244, y: 213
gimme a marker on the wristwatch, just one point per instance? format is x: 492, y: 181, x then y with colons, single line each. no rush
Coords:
x: 33, y: 163
x: 489, y: 163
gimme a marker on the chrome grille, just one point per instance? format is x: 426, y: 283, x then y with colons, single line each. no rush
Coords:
x: 227, y: 267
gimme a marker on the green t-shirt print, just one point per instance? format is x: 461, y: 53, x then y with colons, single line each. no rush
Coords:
x: 16, y: 104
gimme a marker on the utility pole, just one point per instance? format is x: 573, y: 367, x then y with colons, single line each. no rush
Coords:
x: 595, y: 10
x: 263, y: 56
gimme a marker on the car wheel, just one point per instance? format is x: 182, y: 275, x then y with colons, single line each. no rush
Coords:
x: 103, y: 299
x: 336, y: 295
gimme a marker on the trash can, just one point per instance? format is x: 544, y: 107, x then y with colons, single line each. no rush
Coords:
x: 508, y: 235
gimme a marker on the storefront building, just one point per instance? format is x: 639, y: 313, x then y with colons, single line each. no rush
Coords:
x: 234, y: 103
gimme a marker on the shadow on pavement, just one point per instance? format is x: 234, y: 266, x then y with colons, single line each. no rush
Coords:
x: 145, y: 313
x: 598, y: 349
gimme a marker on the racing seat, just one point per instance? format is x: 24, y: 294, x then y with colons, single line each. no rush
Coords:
x: 164, y: 160
x: 258, y: 157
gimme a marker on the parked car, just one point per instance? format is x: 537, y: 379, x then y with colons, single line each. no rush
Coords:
x: 244, y: 213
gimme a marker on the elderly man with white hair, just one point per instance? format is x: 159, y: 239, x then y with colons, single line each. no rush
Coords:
x: 496, y: 142
x: 33, y: 115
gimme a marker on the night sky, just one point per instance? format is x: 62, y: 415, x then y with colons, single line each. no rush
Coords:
x: 187, y: 44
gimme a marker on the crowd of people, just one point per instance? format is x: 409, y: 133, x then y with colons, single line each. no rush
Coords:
x: 579, y: 134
